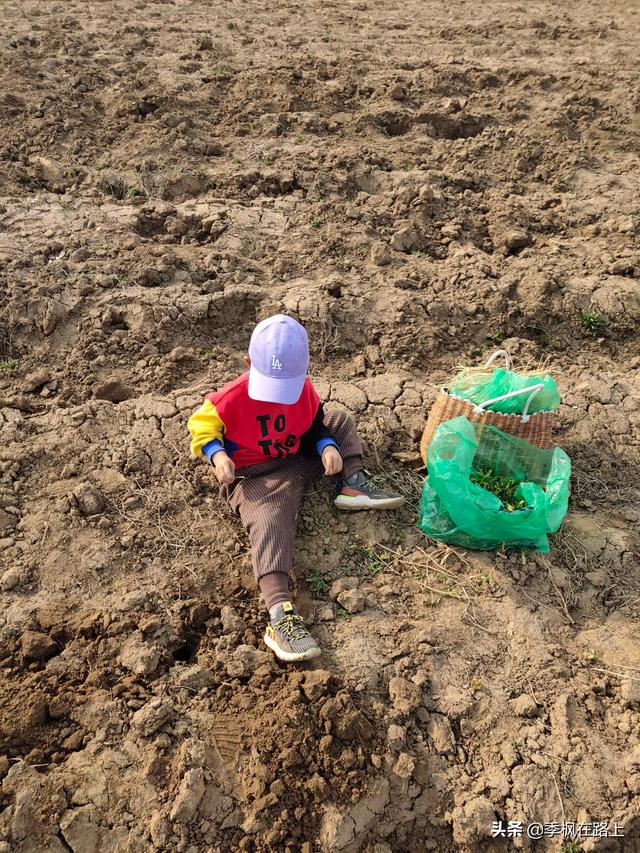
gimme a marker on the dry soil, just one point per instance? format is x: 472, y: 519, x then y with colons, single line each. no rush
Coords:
x: 417, y: 182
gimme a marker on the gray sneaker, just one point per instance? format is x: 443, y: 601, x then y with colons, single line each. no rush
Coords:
x: 287, y: 635
x: 356, y: 492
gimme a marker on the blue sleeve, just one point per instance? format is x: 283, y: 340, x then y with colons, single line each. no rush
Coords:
x: 327, y: 441
x: 211, y: 448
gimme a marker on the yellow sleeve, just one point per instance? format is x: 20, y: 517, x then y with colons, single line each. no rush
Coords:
x: 205, y: 425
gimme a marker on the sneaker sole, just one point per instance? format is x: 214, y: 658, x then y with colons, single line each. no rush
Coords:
x: 291, y: 657
x: 350, y: 503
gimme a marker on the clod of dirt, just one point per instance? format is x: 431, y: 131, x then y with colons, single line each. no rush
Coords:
x: 405, y: 696
x: 384, y: 388
x: 198, y: 614
x: 37, y: 646
x: 316, y: 683
x: 352, y: 600
x: 630, y: 693
x: 510, y: 240
x: 381, y: 254
x: 524, y: 705
x: 441, y: 734
x: 244, y: 661
x: 36, y: 380
x: 349, y: 395
x: 192, y: 677
x: 189, y: 795
x: 139, y: 656
x: 11, y: 579
x: 348, y: 722
x: 7, y: 521
x: 317, y: 786
x: 342, y: 585
x: 152, y: 716
x: 632, y: 760
x: 325, y: 613
x: 83, y: 834
x: 404, y: 766
x: 160, y: 829
x: 396, y: 737
x: 89, y: 499
x: 473, y: 821
x: 407, y: 239
x: 231, y: 621
x: 74, y: 741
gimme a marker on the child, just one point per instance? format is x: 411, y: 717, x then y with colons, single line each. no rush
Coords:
x: 267, y: 436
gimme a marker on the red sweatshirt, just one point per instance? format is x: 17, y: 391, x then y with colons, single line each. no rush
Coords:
x: 251, y: 431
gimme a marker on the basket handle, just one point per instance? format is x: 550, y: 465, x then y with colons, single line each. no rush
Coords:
x: 532, y: 390
x: 498, y: 354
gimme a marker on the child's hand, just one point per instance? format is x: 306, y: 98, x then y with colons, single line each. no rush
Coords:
x: 224, y: 468
x: 331, y: 460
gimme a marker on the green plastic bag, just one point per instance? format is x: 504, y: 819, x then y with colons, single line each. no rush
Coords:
x: 479, y: 387
x: 459, y: 512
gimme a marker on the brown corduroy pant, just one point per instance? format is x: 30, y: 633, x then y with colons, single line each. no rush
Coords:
x: 267, y: 496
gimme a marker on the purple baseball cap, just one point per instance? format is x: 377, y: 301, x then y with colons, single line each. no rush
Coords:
x: 279, y: 353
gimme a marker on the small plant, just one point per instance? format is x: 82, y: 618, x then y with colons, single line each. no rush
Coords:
x: 279, y: 129
x: 366, y: 560
x: 591, y: 656
x: 572, y: 846
x: 341, y: 613
x: 592, y: 322
x: 223, y: 72
x: 496, y: 336
x: 546, y: 341
x: 359, y: 129
x: 502, y: 487
x: 7, y: 364
x: 318, y: 222
x: 317, y: 584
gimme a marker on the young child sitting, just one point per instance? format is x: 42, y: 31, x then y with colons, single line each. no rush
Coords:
x: 267, y: 436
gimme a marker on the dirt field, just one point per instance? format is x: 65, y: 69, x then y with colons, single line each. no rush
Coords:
x: 417, y: 182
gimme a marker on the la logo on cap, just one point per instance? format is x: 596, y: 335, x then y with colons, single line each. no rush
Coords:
x: 275, y: 363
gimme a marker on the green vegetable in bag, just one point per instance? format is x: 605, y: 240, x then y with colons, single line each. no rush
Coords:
x: 503, y: 487
x: 458, y: 509
x: 480, y: 386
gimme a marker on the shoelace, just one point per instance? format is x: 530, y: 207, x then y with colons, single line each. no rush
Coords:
x: 292, y: 626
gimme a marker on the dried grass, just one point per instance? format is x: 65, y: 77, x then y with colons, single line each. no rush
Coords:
x: 180, y: 530
x: 443, y: 572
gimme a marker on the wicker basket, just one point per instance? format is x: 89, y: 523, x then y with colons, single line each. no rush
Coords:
x: 535, y: 428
